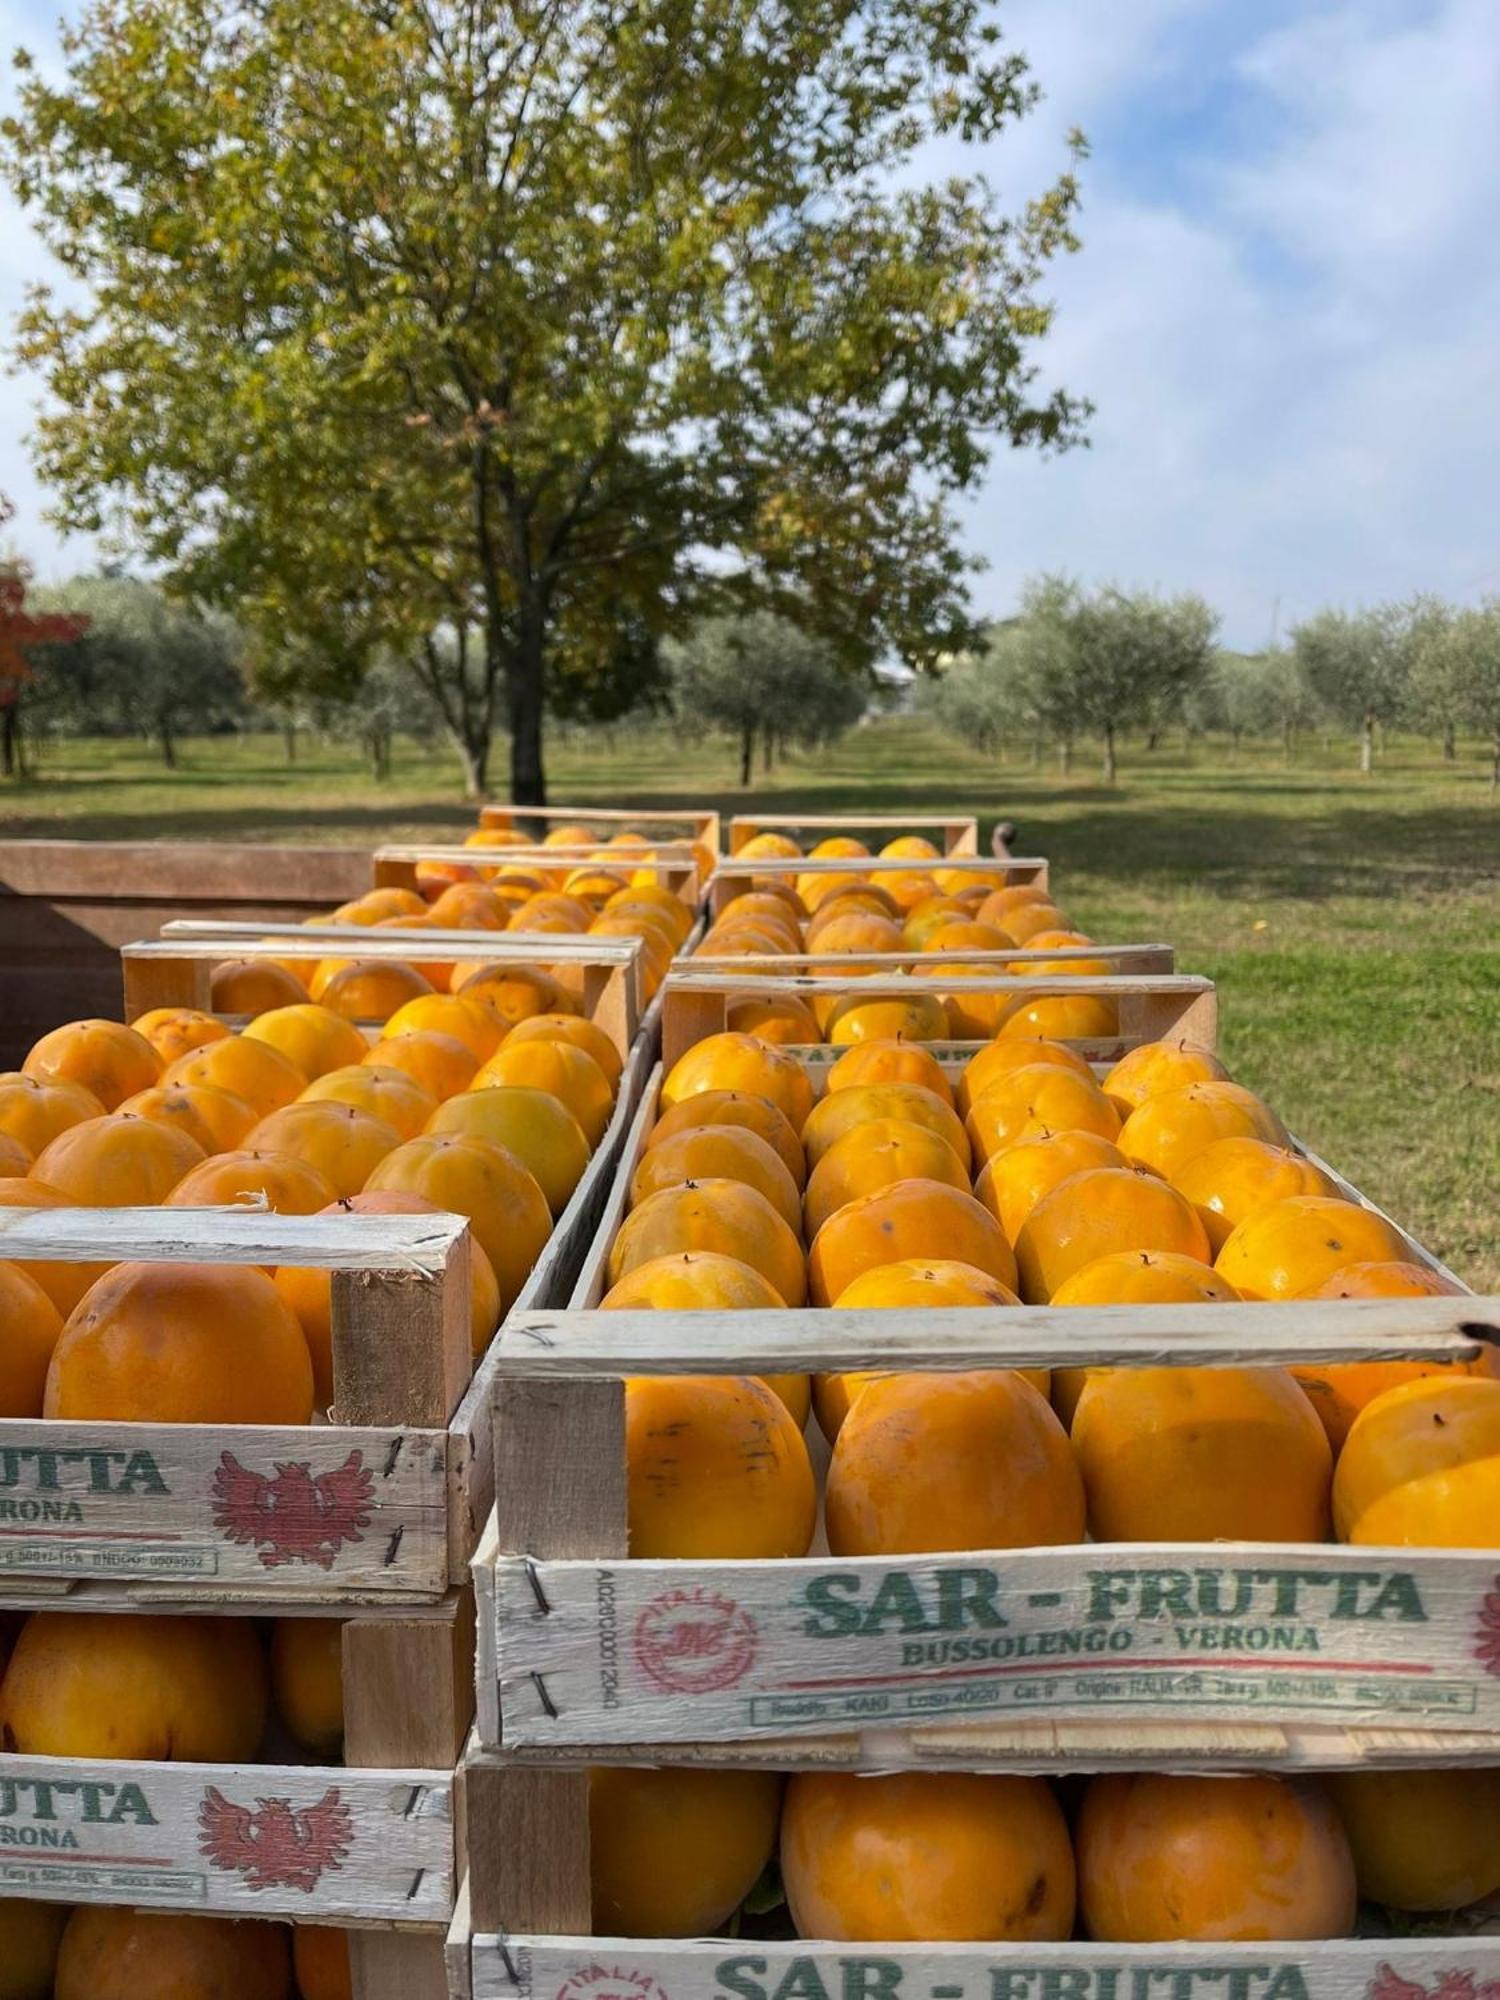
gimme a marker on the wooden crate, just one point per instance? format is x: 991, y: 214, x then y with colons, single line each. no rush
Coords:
x: 368, y: 1842
x: 732, y: 878
x: 597, y: 1659
x: 1399, y: 1640
x: 693, y: 823
x: 361, y: 1517
x: 146, y: 1506
x: 604, y: 974
x: 1152, y: 1006
x: 678, y: 864
x: 955, y: 833
x: 67, y: 905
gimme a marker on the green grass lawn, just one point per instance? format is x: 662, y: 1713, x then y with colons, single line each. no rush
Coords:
x: 1353, y: 924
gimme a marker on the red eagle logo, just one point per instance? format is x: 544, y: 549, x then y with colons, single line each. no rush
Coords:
x: 1389, y: 1985
x: 296, y: 1517
x: 1487, y: 1631
x: 276, y: 1846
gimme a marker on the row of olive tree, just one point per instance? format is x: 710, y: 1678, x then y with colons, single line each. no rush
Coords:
x: 1423, y: 665
x: 1079, y: 663
x: 1095, y: 664
x: 759, y: 677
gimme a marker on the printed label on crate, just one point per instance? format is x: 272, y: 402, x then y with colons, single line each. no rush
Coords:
x: 280, y: 1512
x: 682, y: 1652
x: 241, y: 1838
x: 1432, y: 1968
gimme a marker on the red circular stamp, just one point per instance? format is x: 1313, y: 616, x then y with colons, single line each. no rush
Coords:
x: 694, y: 1642
x: 611, y: 1982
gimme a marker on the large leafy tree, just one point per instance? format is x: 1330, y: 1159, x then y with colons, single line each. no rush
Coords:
x: 485, y: 332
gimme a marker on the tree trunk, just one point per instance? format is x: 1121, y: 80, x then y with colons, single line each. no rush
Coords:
x: 767, y: 748
x: 10, y: 738
x: 528, y: 777
x: 168, y: 747
x: 747, y: 755
x: 289, y: 739
x: 1450, y: 744
x: 475, y: 758
x: 1109, y: 753
x: 1065, y: 755
x: 1367, y: 745
x: 1153, y: 737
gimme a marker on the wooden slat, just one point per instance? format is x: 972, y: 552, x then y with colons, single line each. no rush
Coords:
x: 409, y: 1689
x: 237, y: 1235
x: 210, y: 940
x: 699, y: 823
x: 179, y: 871
x: 1126, y: 958
x: 171, y: 1836
x: 559, y: 1488
x: 402, y: 1351
x: 392, y: 1965
x: 880, y: 1650
x: 960, y: 831
x: 1241, y: 1333
x: 192, y: 1511
x: 533, y: 1965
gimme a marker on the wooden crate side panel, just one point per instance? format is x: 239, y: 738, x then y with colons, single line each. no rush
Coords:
x: 471, y: 1437
x: 67, y: 906
x: 960, y: 831
x: 313, y: 1843
x: 536, y: 1967
x: 600, y: 1653
x: 184, y: 1510
x: 180, y: 872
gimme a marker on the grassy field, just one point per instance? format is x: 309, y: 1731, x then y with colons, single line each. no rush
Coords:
x: 1352, y: 923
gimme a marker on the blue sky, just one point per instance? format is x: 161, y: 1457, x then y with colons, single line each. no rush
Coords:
x: 1286, y: 307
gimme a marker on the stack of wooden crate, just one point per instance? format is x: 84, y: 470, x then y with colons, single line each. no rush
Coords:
x: 1187, y: 1658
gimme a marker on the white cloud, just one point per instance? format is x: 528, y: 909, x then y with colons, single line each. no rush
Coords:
x: 1294, y: 360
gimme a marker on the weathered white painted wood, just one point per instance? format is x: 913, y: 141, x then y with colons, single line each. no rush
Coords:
x: 960, y: 831
x: 1103, y: 985
x: 525, y: 946
x: 1238, y: 1334
x: 686, y: 1652
x: 699, y: 823
x: 421, y: 1244
x: 471, y: 1434
x: 1024, y: 867
x: 1022, y: 1744
x: 529, y: 1967
x: 311, y: 1842
x: 258, y: 1511
x: 1127, y: 958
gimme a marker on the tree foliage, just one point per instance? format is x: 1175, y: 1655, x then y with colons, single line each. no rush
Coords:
x: 504, y: 337
x: 26, y: 628
x: 141, y: 663
x: 1456, y: 674
x: 1079, y: 663
x: 1357, y: 664
x: 760, y: 676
